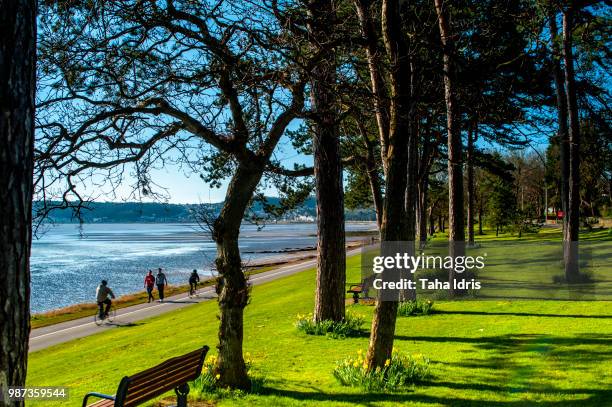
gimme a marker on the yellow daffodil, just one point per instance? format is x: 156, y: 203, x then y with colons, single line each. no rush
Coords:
x: 356, y: 364
x: 387, y: 362
x: 218, y: 376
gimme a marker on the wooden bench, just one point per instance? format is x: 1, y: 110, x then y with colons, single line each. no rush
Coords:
x: 355, y: 289
x: 172, y: 374
x: 361, y: 288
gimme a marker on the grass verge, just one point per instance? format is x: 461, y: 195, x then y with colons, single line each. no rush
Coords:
x: 481, y: 352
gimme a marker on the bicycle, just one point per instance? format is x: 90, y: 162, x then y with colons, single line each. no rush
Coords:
x: 107, y: 319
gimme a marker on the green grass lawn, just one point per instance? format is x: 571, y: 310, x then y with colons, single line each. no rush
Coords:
x: 490, y: 352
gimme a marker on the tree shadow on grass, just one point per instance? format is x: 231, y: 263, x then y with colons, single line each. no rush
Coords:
x: 576, y: 353
x: 513, y: 340
x: 599, y: 398
x: 119, y: 324
x: 595, y: 395
x: 521, y: 314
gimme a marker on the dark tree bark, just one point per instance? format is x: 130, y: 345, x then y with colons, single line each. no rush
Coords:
x: 372, y: 171
x: 562, y: 132
x: 17, y: 87
x: 428, y: 152
x: 480, y: 210
x: 373, y: 53
x: 422, y: 212
x: 432, y: 222
x: 570, y: 236
x: 394, y: 214
x: 456, y: 235
x: 232, y: 286
x: 470, y: 186
x: 331, y: 251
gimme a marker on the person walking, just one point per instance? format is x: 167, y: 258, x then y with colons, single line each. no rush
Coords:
x: 161, y: 282
x: 149, y: 283
x: 194, y: 279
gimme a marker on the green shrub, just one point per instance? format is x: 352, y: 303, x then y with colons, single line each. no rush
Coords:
x: 415, y: 307
x: 350, y: 326
x: 584, y: 277
x: 399, y: 371
x: 207, y: 384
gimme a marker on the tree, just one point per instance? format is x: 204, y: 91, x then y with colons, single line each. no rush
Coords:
x: 331, y: 252
x: 561, y: 102
x: 144, y: 82
x: 456, y: 233
x: 17, y: 87
x: 394, y: 150
x: 570, y: 234
x: 501, y: 199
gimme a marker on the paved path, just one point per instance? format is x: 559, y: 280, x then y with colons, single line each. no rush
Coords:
x: 41, y: 338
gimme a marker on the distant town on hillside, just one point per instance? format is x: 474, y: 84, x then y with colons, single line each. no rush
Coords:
x: 152, y: 212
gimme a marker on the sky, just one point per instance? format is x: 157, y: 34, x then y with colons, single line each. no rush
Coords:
x: 180, y: 187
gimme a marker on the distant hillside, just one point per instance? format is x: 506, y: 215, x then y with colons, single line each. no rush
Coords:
x: 138, y: 212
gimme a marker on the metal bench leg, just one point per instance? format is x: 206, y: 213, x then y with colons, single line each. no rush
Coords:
x: 181, y: 395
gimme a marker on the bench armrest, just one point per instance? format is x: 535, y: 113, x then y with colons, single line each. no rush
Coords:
x: 99, y: 395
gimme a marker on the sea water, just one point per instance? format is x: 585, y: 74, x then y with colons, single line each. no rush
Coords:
x: 68, y: 262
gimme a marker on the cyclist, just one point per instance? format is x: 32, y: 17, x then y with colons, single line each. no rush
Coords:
x: 194, y: 279
x: 102, y: 293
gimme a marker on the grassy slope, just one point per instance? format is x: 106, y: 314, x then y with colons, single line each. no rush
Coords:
x: 502, y: 353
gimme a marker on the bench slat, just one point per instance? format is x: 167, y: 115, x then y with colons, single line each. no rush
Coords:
x: 137, y: 399
x: 165, y: 380
x: 102, y: 403
x: 168, y: 363
x: 160, y: 370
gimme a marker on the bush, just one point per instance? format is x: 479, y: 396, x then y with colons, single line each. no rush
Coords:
x: 582, y: 278
x: 399, y: 371
x: 415, y: 307
x: 208, y: 381
x: 350, y: 326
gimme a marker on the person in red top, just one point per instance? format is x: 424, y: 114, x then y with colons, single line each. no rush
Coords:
x: 149, y: 283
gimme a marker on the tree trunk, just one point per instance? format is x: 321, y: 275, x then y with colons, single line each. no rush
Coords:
x: 425, y: 161
x: 372, y: 171
x: 422, y: 214
x: 412, y: 170
x: 562, y: 132
x: 232, y: 285
x: 432, y: 224
x: 456, y: 235
x: 570, y: 236
x: 331, y: 251
x: 17, y: 87
x: 394, y: 214
x: 470, y: 187
x: 380, y: 100
x: 480, y: 209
